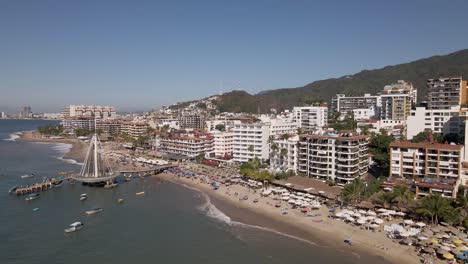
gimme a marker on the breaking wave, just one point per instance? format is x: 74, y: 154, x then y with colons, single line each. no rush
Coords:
x: 13, y: 137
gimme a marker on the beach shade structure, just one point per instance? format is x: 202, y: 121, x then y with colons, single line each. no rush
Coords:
x: 406, y: 241
x: 434, y: 241
x: 371, y: 213
x: 361, y: 221
x: 462, y: 256
x: 373, y: 226
x: 441, y: 251
x: 446, y: 248
x: 436, y: 229
x: 378, y: 221
x: 408, y: 222
x: 444, y: 224
x: 457, y: 241
x: 420, y: 224
x: 382, y: 210
x: 448, y: 256
x: 362, y: 212
x: 422, y: 238
x: 461, y: 248
x: 428, y: 250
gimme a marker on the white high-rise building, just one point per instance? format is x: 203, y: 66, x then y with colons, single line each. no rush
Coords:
x: 89, y: 111
x: 250, y: 141
x: 338, y: 157
x: 310, y: 117
x: 222, y: 143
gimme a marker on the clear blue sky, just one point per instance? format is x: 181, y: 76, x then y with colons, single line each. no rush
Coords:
x: 142, y: 54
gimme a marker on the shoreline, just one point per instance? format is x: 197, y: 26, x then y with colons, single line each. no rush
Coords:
x: 76, y: 153
x: 368, y: 247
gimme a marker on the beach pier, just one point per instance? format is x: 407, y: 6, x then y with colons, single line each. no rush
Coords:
x: 39, y: 186
x: 146, y: 172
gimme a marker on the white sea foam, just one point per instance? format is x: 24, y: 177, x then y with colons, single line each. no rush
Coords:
x: 13, y: 137
x: 63, y: 149
x: 212, y: 211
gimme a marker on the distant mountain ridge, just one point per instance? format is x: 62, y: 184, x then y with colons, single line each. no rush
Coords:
x: 366, y: 81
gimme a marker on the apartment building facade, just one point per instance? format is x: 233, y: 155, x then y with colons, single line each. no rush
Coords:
x: 194, y: 121
x: 445, y: 93
x: 432, y: 167
x: 89, y: 111
x: 310, y: 117
x: 443, y: 121
x: 134, y: 129
x: 339, y: 157
x: 344, y: 104
x: 222, y: 143
x: 284, y: 154
x: 251, y: 141
x: 190, y: 145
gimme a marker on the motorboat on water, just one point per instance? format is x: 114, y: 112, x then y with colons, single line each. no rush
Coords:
x: 35, y: 209
x: 140, y: 193
x: 27, y: 176
x: 13, y: 189
x: 32, y: 197
x: 120, y: 200
x: 74, y: 227
x: 94, y: 210
x: 82, y: 198
x: 83, y: 194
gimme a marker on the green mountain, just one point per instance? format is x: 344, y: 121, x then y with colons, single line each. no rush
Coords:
x: 366, y: 81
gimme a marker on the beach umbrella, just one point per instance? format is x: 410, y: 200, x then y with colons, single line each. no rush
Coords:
x: 422, y: 238
x: 382, y: 210
x: 361, y: 221
x: 462, y: 256
x: 444, y: 224
x: 441, y: 251
x: 404, y: 234
x: 373, y: 226
x: 408, y: 222
x: 358, y: 215
x: 445, y: 248
x: 420, y: 224
x: 447, y: 256
x: 361, y: 211
x: 407, y: 241
x: 457, y: 241
x: 371, y: 213
x: 428, y: 250
x: 434, y: 241
x: 461, y: 248
x: 378, y: 221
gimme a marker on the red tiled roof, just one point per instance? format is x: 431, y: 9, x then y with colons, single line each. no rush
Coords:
x: 426, y: 145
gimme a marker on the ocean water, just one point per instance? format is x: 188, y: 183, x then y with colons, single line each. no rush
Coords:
x: 169, y: 224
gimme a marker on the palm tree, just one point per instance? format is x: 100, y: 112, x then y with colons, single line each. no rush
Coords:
x: 402, y: 195
x: 384, y: 199
x: 434, y: 206
x: 274, y: 147
x: 353, y: 191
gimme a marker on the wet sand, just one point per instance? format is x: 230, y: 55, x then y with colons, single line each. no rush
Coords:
x: 371, y: 247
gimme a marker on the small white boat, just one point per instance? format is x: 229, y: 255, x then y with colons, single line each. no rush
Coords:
x: 82, y: 198
x: 74, y: 227
x: 32, y: 197
x: 83, y: 194
x: 93, y: 211
x: 140, y: 193
x: 27, y: 176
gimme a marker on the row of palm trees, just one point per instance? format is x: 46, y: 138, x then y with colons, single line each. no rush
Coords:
x: 433, y: 207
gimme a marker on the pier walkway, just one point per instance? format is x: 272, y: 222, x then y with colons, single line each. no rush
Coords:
x: 56, y: 182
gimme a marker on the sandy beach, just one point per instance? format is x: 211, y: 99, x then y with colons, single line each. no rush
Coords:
x: 369, y: 246
x: 328, y: 233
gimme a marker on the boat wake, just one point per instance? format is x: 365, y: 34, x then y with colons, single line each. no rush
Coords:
x: 13, y: 137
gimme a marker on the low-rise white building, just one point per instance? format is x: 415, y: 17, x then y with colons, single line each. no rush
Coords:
x: 250, y: 141
x: 283, y: 154
x: 364, y: 113
x: 190, y: 145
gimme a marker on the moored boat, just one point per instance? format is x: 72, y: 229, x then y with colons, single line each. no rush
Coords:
x: 74, y: 227
x: 140, y: 193
x: 93, y: 211
x: 27, y: 176
x: 82, y: 198
x: 120, y: 200
x: 32, y: 197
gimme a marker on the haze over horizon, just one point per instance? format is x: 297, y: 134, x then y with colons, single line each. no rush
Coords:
x: 142, y: 54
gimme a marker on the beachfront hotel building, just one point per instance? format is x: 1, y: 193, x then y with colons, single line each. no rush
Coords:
x: 109, y: 126
x: 284, y: 154
x: 310, y: 117
x: 70, y: 124
x: 190, y: 145
x: 251, y: 141
x: 134, y: 129
x: 222, y: 143
x: 89, y: 111
x: 339, y: 157
x: 430, y: 167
